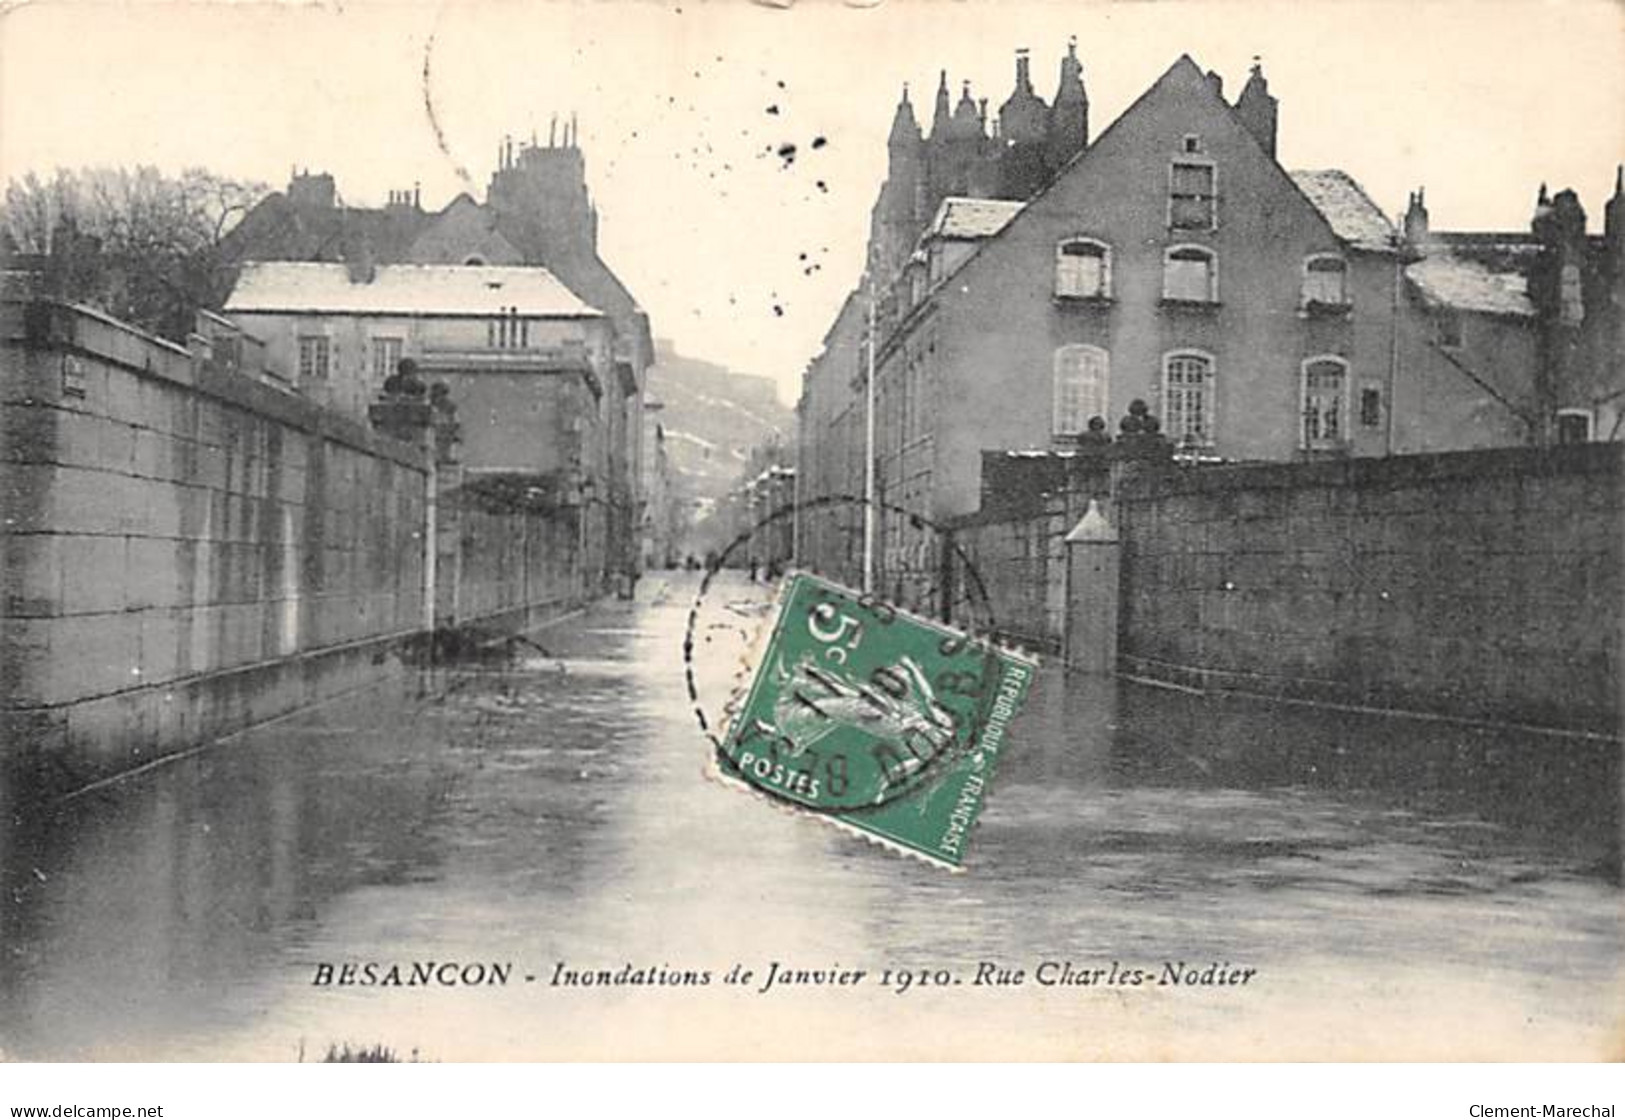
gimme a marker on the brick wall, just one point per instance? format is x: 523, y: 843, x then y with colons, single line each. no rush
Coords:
x: 1480, y: 583
x: 185, y: 551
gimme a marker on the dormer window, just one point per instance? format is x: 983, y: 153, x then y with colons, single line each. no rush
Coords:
x: 1192, y: 144
x: 1325, y: 283
x: 1083, y: 269
x: 1192, y: 196
x: 1190, y: 274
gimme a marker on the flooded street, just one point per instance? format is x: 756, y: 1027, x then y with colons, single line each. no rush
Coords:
x: 1400, y: 888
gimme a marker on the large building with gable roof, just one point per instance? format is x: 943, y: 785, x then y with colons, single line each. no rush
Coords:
x: 1261, y: 313
x: 507, y: 301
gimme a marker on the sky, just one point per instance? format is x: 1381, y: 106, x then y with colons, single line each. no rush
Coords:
x: 739, y: 254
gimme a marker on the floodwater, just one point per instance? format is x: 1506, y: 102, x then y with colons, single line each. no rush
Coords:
x: 1399, y: 889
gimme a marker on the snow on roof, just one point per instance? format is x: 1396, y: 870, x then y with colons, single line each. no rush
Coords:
x: 1347, y: 208
x: 972, y: 218
x: 1451, y: 281
x: 404, y: 289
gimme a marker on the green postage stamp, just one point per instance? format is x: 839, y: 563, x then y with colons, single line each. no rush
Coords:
x: 887, y: 723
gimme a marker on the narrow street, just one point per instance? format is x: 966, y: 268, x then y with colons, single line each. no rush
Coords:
x: 553, y: 813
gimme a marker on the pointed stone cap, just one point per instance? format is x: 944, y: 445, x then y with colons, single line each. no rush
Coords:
x: 1092, y: 527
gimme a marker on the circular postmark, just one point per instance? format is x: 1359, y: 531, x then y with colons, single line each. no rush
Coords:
x: 855, y: 701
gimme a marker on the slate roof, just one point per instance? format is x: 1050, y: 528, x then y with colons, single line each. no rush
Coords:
x: 1446, y: 279
x: 972, y: 219
x: 1347, y: 208
x: 404, y: 289
x: 278, y: 229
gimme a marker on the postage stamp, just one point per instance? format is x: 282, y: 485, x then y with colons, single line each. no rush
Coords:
x: 883, y: 721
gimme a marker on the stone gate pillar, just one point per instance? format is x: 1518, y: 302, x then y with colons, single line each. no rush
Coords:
x: 1092, y: 592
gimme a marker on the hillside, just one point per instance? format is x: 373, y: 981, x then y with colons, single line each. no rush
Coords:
x: 713, y: 417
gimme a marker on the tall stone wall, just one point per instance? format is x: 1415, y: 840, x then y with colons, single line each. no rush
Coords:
x: 1483, y: 584
x: 1478, y: 583
x: 185, y: 551
x: 506, y: 568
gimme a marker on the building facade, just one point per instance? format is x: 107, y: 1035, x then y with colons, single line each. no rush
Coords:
x: 542, y: 403
x: 537, y: 214
x: 1261, y: 314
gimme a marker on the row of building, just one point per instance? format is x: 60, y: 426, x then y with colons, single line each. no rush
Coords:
x: 1024, y: 279
x: 539, y: 350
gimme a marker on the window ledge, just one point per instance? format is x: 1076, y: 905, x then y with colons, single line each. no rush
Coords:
x: 1084, y: 301
x: 1318, y: 309
x: 1202, y: 305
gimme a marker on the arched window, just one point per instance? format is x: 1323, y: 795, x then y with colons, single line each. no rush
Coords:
x: 1083, y: 269
x: 1082, y: 382
x: 1325, y: 281
x: 476, y: 259
x: 1187, y: 398
x: 1190, y: 273
x: 1325, y: 397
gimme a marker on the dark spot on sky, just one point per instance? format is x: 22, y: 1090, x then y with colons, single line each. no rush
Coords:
x: 801, y: 256
x: 823, y: 186
x: 781, y: 83
x: 779, y: 311
x: 819, y: 142
x: 772, y: 110
x: 787, y: 152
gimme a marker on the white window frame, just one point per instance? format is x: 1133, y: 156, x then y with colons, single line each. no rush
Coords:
x: 1590, y: 419
x: 1209, y: 397
x: 1191, y: 159
x: 1305, y: 299
x: 327, y: 356
x: 381, y: 344
x: 1063, y: 281
x: 1322, y: 443
x: 1059, y: 363
x: 1212, y: 270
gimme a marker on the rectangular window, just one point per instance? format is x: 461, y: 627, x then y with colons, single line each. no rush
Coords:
x: 313, y: 357
x: 1082, y: 270
x: 1188, y: 276
x: 1188, y: 400
x: 386, y: 355
x: 1323, y: 390
x: 1324, y: 282
x: 1082, y: 379
x: 1370, y: 408
x: 1192, y: 202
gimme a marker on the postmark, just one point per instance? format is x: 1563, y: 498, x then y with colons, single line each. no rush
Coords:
x: 877, y: 719
x: 718, y: 621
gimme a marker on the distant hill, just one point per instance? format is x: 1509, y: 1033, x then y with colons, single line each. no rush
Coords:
x: 713, y: 417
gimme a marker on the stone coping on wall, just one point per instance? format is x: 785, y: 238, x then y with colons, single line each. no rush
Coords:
x: 75, y: 328
x: 1143, y: 484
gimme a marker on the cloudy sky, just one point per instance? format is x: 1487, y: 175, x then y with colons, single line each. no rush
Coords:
x: 739, y: 255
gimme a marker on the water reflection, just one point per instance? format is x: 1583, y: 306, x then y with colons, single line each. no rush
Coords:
x: 554, y: 810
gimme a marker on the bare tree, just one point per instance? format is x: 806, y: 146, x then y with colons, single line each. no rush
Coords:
x: 142, y: 245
